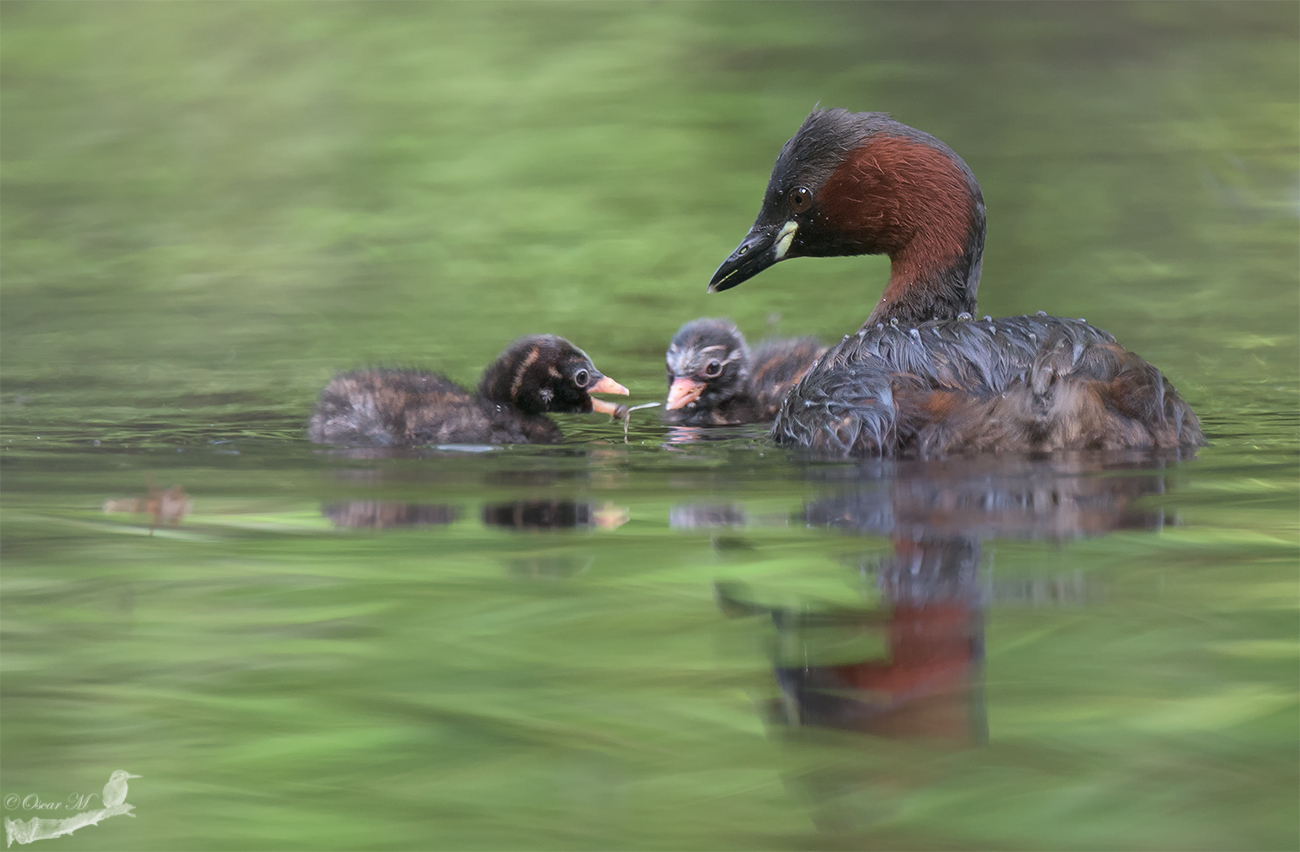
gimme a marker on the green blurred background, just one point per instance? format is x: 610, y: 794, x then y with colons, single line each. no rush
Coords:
x: 303, y: 188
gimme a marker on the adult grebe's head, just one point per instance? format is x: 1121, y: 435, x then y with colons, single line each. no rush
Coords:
x: 862, y: 183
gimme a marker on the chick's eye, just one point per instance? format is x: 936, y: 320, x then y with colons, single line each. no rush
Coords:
x: 581, y: 378
x: 713, y: 369
x: 800, y: 199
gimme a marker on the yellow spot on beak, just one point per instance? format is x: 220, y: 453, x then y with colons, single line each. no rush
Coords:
x: 784, y: 238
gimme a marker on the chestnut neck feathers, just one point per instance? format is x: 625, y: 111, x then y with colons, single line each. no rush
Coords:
x: 862, y: 183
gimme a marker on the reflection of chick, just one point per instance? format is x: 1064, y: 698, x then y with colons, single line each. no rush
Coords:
x: 383, y: 514
x: 554, y: 515
x: 534, y: 375
x: 715, y: 381
x: 115, y: 790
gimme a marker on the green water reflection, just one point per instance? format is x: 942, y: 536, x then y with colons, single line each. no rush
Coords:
x: 664, y: 643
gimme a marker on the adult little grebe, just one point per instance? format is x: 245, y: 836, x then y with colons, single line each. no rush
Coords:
x: 714, y: 379
x: 921, y: 377
x: 534, y: 375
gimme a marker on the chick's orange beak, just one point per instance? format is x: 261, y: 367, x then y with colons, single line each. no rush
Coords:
x: 607, y: 385
x: 683, y: 392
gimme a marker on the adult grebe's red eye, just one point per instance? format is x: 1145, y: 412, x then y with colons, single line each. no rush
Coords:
x: 800, y: 199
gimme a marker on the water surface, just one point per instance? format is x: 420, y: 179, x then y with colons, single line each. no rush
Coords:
x: 667, y: 642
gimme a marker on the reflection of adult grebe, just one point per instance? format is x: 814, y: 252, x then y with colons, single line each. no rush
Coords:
x: 927, y: 682
x: 921, y: 377
x: 715, y: 380
x: 533, y: 376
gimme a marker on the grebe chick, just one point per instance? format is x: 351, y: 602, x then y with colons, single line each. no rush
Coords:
x: 402, y: 408
x: 920, y: 377
x: 714, y: 379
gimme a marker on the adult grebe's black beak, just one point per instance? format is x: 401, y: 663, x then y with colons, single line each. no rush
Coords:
x: 763, y: 246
